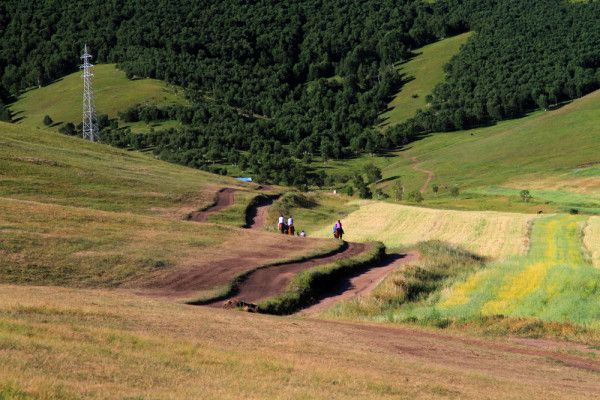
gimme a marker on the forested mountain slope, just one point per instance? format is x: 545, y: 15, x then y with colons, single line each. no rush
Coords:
x: 274, y: 84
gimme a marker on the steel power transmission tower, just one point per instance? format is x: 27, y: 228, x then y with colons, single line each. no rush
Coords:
x: 90, y: 123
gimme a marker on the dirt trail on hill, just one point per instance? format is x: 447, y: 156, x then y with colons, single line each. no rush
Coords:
x: 258, y: 213
x: 417, y: 167
x: 361, y: 283
x: 270, y: 281
x: 225, y: 198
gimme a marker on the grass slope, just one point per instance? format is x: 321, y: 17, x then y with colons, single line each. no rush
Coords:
x: 422, y: 73
x: 48, y: 167
x: 82, y: 214
x: 490, y: 234
x: 553, y: 282
x: 60, y: 343
x: 62, y: 100
x: 552, y: 153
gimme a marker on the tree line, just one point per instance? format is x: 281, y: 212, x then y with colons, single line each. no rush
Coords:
x: 274, y: 84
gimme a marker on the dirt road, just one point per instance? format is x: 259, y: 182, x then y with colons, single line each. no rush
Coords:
x: 361, y: 283
x: 267, y: 282
x: 417, y: 167
x: 258, y: 213
x: 225, y: 198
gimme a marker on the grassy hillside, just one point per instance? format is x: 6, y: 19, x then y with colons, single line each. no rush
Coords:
x: 82, y: 214
x: 554, y: 154
x: 49, y: 167
x: 111, y: 345
x: 421, y: 73
x: 490, y: 234
x: 62, y: 100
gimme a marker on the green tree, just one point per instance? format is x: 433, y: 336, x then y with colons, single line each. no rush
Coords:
x: 398, y: 190
x: 373, y: 173
x: 526, y: 196
x: 415, y: 196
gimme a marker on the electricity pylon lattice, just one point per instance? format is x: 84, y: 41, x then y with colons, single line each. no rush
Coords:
x: 90, y: 122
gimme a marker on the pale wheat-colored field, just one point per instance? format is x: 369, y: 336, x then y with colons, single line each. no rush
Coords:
x: 487, y: 233
x: 591, y: 239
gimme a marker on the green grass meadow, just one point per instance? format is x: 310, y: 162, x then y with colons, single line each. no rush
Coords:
x: 422, y: 73
x: 62, y: 100
x: 554, y: 154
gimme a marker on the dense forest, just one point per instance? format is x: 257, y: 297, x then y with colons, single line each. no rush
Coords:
x: 524, y: 56
x: 274, y: 84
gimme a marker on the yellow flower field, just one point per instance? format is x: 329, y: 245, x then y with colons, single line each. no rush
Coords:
x: 487, y: 233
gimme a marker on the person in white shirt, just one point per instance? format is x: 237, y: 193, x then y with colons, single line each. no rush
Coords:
x: 291, y: 225
x: 302, y: 234
x: 281, y: 223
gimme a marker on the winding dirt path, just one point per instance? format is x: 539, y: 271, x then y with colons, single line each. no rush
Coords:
x: 417, y: 167
x: 270, y: 281
x: 225, y: 198
x: 259, y: 213
x: 361, y: 283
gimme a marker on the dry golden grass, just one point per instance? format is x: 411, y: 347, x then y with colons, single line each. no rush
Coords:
x: 67, y: 343
x: 588, y: 185
x: 490, y: 234
x: 60, y: 245
x: 591, y: 239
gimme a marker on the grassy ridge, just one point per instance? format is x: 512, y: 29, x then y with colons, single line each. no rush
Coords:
x: 62, y: 100
x: 422, y: 73
x: 398, y: 225
x: 48, y: 167
x: 551, y: 153
x: 563, y: 141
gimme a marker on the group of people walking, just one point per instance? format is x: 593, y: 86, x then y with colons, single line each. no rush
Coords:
x: 288, y: 229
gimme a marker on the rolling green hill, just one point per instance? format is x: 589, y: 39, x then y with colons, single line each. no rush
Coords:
x: 422, y: 73
x: 62, y: 99
x: 554, y: 154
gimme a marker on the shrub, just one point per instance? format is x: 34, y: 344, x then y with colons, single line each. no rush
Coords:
x: 47, y: 120
x: 455, y: 191
x: 398, y: 190
x: 525, y: 196
x: 415, y: 196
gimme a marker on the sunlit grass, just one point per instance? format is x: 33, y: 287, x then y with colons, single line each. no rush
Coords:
x: 422, y: 73
x: 62, y: 100
x: 554, y: 282
x: 491, y: 234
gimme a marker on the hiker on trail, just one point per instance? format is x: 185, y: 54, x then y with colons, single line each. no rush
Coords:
x: 291, y: 225
x: 338, y: 231
x: 281, y: 224
x: 302, y: 234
